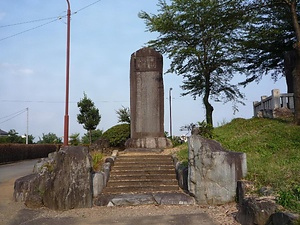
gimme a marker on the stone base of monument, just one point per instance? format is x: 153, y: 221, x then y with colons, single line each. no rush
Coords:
x: 147, y: 144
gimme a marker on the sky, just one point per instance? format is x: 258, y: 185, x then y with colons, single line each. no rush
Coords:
x: 104, y: 34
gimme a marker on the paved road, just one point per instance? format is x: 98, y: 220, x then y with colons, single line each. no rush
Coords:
x: 16, y: 170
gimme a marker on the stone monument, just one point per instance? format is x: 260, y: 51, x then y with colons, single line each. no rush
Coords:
x: 147, y: 102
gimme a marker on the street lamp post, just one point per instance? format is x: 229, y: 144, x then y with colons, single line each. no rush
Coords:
x: 66, y: 118
x: 170, y: 101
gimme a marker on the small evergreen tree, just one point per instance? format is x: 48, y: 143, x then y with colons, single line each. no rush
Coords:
x: 49, y: 138
x: 89, y: 115
x: 123, y: 115
x: 74, y: 139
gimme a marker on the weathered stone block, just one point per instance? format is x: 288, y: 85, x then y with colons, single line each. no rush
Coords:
x: 44, y: 162
x: 213, y: 171
x: 182, y: 176
x: 63, y: 183
x: 148, y: 143
x: 281, y: 218
x: 98, y: 183
x: 71, y: 186
x: 23, y: 186
x: 173, y: 199
x: 106, y: 171
x: 255, y: 211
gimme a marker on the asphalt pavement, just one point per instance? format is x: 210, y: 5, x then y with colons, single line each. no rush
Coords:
x: 16, y: 170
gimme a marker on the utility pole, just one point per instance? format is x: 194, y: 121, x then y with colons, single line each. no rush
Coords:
x: 66, y: 118
x: 170, y: 103
x: 27, y: 126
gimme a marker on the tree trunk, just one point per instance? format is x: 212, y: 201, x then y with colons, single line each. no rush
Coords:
x: 208, y: 109
x: 289, y: 66
x: 296, y: 72
x: 296, y: 78
x: 90, y: 136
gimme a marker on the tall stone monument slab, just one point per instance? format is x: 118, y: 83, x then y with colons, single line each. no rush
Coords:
x: 147, y: 101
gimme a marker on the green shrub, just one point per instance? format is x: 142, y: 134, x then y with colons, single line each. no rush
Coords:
x: 183, y: 155
x: 97, y: 160
x: 117, y: 135
x: 205, y: 130
x: 176, y: 141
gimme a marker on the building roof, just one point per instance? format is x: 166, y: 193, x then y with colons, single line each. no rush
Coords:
x: 3, y: 133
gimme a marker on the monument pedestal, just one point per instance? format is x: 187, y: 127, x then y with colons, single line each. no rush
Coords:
x: 149, y: 144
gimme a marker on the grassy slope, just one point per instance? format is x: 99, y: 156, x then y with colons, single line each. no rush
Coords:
x: 272, y: 147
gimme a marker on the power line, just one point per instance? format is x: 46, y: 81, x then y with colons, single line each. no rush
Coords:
x: 59, y: 102
x: 39, y: 20
x: 26, y: 22
x: 11, y: 116
x: 33, y: 28
x: 87, y: 6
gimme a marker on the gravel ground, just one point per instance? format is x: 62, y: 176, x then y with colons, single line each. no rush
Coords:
x: 15, y: 213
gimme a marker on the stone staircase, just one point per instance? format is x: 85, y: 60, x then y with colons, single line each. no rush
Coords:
x: 137, y: 179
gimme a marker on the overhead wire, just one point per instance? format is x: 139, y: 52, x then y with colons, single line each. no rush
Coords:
x: 26, y: 22
x: 13, y: 115
x: 87, y: 6
x: 59, y: 102
x: 33, y: 28
x: 53, y: 19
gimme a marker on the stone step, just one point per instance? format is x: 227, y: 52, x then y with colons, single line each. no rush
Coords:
x: 144, y: 167
x: 141, y: 189
x: 141, y: 163
x: 145, y: 158
x: 142, y: 177
x: 159, y: 198
x: 140, y: 183
x: 141, y: 172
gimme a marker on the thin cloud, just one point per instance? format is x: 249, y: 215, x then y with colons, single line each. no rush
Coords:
x: 2, y: 15
x: 14, y: 69
x: 26, y: 71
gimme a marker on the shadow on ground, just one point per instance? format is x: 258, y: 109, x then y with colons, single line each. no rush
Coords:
x: 32, y: 217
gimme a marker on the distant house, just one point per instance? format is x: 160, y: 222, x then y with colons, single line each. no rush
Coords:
x: 3, y: 133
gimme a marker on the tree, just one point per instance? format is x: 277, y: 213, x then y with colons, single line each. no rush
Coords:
x: 279, y: 31
x: 30, y: 138
x: 49, y: 138
x: 13, y: 137
x: 74, y: 139
x: 270, y: 33
x: 96, y: 134
x: 123, y: 115
x: 89, y: 115
x: 201, y: 39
